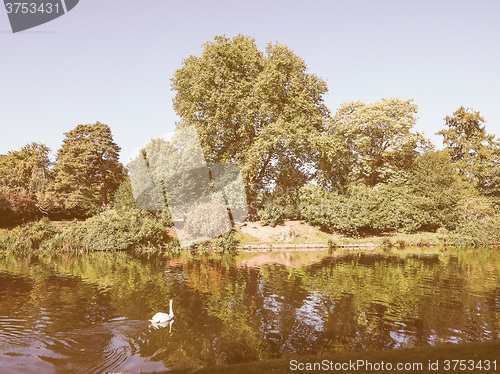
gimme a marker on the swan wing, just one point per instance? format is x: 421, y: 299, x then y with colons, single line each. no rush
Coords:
x: 160, y: 317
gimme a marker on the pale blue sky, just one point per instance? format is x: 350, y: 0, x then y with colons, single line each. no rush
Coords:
x: 112, y: 60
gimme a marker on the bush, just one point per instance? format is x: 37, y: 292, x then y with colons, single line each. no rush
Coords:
x: 479, y: 232
x: 32, y: 236
x: 363, y: 209
x: 123, y: 198
x: 207, y: 221
x: 272, y: 215
x: 443, y: 234
x: 113, y: 230
x: 15, y: 207
x: 478, y: 223
x: 225, y: 243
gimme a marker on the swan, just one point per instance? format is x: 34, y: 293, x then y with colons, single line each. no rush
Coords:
x: 163, y: 317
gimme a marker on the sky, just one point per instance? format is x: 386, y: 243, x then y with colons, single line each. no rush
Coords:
x: 112, y: 60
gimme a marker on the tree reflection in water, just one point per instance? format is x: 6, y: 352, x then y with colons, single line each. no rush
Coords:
x: 89, y: 313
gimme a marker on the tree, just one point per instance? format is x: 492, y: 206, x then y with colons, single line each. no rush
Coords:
x: 370, y: 143
x: 27, y: 171
x: 15, y: 206
x: 437, y: 188
x: 19, y: 170
x: 474, y: 153
x: 262, y: 111
x: 87, y: 170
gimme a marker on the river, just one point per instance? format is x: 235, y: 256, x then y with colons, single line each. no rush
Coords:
x: 68, y: 313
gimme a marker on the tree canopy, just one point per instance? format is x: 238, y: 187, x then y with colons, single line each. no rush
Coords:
x: 20, y: 170
x: 474, y: 152
x: 370, y: 143
x: 260, y: 110
x: 363, y: 169
x: 87, y: 170
x: 26, y: 173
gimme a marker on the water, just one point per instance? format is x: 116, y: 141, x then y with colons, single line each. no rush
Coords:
x: 89, y: 313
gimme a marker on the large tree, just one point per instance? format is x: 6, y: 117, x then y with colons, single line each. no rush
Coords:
x: 260, y: 110
x: 87, y: 169
x: 474, y: 152
x: 370, y: 143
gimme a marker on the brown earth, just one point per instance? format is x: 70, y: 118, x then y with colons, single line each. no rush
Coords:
x: 269, y: 234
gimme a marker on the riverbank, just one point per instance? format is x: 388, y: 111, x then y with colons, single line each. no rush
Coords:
x: 113, y: 231
x: 416, y: 359
x: 299, y: 235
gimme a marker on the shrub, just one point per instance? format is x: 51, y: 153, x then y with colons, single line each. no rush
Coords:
x: 479, y: 232
x: 123, y: 198
x: 113, y: 230
x: 207, y: 220
x: 272, y: 214
x: 443, y: 234
x: 31, y: 236
x: 225, y: 243
x: 15, y: 207
x: 363, y: 209
x: 478, y: 224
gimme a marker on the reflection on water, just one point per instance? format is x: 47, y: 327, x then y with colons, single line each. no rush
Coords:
x: 90, y: 313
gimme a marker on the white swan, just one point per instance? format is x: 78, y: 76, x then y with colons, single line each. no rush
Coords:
x: 163, y: 317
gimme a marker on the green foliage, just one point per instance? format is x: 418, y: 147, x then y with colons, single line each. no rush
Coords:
x: 479, y: 224
x: 27, y: 172
x: 114, y: 230
x: 482, y: 232
x: 19, y: 169
x: 123, y: 198
x: 443, y: 234
x: 262, y: 111
x: 438, y: 188
x: 474, y: 152
x: 278, y: 206
x: 273, y: 214
x: 87, y: 170
x: 207, y: 220
x: 32, y: 236
x: 225, y: 243
x: 370, y: 143
x: 422, y: 196
x: 363, y: 210
x: 15, y: 206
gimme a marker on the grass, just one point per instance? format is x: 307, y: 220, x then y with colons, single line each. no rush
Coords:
x: 246, y: 239
x: 421, y: 355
